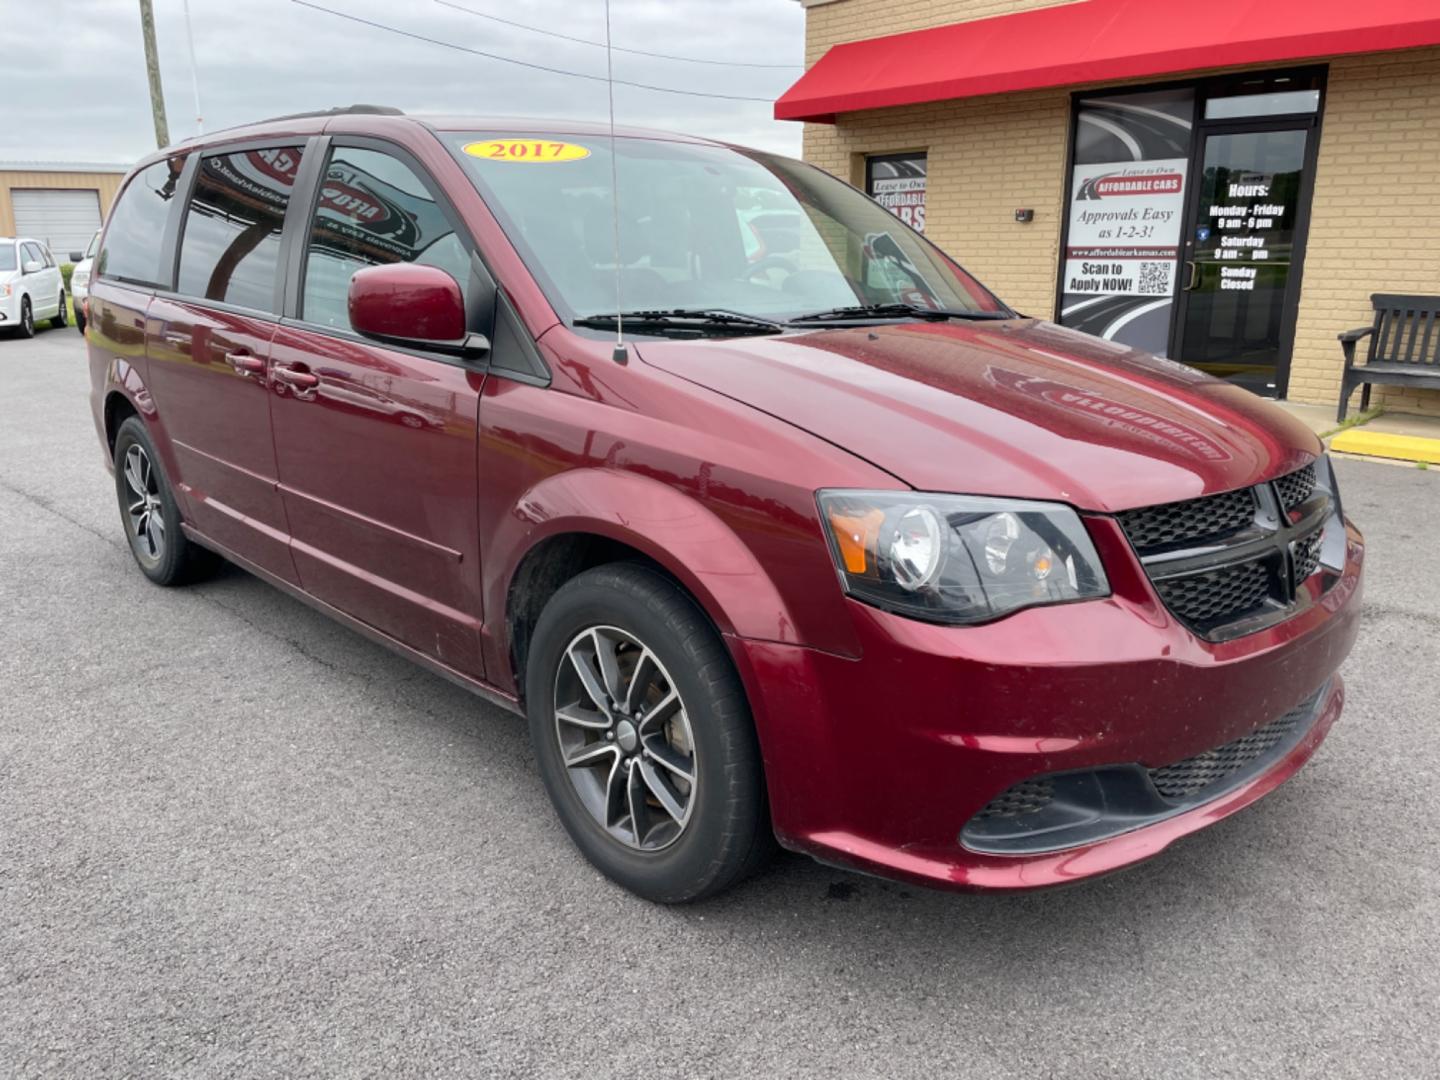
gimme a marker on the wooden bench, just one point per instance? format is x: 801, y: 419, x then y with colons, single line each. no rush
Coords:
x: 1404, y: 347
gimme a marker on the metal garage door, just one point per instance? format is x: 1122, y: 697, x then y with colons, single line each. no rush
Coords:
x: 63, y: 219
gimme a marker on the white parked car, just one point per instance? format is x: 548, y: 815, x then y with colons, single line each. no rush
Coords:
x: 80, y: 279
x: 31, y: 287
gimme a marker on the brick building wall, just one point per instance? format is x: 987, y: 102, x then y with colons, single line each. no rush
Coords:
x: 1375, y: 223
x: 1375, y: 220
x: 987, y: 158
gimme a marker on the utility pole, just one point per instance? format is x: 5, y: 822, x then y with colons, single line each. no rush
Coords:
x: 152, y: 69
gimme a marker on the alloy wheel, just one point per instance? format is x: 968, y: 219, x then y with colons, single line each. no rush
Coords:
x: 625, y: 738
x: 143, y: 506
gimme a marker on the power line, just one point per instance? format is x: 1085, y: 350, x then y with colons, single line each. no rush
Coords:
x: 525, y: 63
x: 616, y: 48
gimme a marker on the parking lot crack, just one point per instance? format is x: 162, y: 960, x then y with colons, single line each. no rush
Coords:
x: 45, y: 504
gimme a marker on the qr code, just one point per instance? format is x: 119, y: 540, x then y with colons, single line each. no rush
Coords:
x: 1154, y: 278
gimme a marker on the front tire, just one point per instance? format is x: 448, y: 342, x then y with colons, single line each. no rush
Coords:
x: 644, y: 738
x: 27, y: 318
x: 149, y: 514
x: 61, y: 316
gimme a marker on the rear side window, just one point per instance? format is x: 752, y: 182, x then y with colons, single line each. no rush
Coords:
x: 230, y: 247
x: 137, y: 225
x: 373, y: 209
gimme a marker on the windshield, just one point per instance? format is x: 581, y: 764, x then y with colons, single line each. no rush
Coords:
x: 7, y: 256
x: 702, y: 227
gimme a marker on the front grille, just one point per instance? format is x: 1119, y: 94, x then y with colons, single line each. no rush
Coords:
x: 1190, y: 777
x: 1212, y: 517
x: 1069, y: 809
x: 1220, y: 560
x: 1027, y: 797
x: 1227, y: 593
x: 1305, y: 555
x: 1296, y: 487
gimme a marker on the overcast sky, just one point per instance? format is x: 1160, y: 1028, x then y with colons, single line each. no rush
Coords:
x: 73, y: 77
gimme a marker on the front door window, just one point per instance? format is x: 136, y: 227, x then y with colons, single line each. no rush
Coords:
x: 373, y: 210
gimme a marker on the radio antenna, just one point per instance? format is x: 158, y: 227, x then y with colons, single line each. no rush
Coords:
x: 620, y: 355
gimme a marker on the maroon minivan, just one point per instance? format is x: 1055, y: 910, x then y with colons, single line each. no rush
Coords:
x: 836, y: 549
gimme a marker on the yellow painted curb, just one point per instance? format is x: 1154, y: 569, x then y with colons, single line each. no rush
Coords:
x: 1378, y: 444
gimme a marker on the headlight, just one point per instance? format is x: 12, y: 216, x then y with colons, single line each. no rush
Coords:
x: 958, y: 558
x: 5, y: 290
x: 79, y: 278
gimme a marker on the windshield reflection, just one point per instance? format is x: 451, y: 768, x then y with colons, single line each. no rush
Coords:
x: 701, y: 227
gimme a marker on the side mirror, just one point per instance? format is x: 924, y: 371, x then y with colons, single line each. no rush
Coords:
x: 413, y: 305
x: 77, y: 256
x: 32, y: 266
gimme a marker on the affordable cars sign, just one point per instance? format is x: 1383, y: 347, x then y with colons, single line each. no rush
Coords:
x: 1125, y: 228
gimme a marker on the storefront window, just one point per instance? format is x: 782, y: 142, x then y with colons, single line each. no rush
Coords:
x: 1186, y: 217
x: 1273, y: 103
x: 1127, y: 202
x: 897, y: 182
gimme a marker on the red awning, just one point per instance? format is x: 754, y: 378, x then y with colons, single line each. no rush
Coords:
x: 1098, y: 41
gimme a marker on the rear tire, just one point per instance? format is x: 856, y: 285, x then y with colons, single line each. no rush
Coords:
x: 666, y: 800
x: 62, y: 316
x: 149, y: 514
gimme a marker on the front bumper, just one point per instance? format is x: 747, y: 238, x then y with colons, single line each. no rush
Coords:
x: 879, y: 763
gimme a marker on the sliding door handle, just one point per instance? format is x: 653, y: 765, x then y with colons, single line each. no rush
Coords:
x: 300, y: 380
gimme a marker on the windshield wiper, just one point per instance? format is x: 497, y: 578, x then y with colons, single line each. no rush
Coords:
x: 895, y: 311
x: 686, y: 322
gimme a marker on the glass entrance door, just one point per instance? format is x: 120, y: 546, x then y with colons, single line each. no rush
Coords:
x: 1238, y: 292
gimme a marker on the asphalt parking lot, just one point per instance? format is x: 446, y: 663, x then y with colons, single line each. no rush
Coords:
x: 238, y: 840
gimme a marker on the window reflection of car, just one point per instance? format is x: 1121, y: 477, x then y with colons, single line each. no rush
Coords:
x: 771, y: 232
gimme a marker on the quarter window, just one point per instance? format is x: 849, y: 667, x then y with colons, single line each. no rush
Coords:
x: 131, y: 251
x: 373, y: 209
x: 230, y: 248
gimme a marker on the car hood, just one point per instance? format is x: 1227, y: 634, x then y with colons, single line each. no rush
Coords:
x: 1019, y: 408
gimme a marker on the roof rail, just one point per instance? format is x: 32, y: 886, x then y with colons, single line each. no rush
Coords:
x: 338, y: 110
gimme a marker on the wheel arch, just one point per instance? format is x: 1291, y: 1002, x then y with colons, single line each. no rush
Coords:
x: 118, y: 408
x: 584, y: 518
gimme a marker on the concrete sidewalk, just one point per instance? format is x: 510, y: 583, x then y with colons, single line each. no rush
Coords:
x: 1393, y: 436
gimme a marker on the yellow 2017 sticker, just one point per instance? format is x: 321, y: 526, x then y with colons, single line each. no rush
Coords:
x: 527, y: 150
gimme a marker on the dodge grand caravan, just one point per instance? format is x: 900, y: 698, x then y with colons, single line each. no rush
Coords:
x: 835, y: 548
